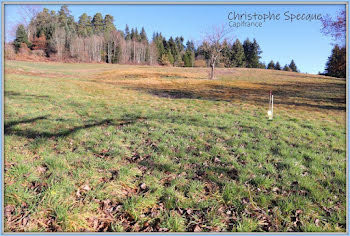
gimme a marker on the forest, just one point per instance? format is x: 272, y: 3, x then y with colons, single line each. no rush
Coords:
x: 56, y: 35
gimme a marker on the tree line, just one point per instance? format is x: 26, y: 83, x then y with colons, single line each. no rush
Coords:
x: 336, y: 28
x: 291, y: 67
x: 96, y: 39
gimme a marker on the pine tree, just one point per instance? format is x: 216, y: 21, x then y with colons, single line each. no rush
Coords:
x: 170, y: 58
x: 108, y: 24
x: 136, y: 35
x: 252, y: 53
x: 247, y: 52
x: 21, y: 37
x: 238, y: 58
x: 190, y: 46
x: 226, y: 54
x: 277, y: 66
x: 189, y: 55
x: 292, y: 66
x: 143, y: 35
x: 286, y: 68
x: 66, y: 21
x: 84, y: 27
x: 255, y: 54
x: 336, y: 64
x: 97, y: 23
x: 127, y: 33
x: 271, y: 65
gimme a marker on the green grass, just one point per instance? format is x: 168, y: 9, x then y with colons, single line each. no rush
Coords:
x: 86, y: 150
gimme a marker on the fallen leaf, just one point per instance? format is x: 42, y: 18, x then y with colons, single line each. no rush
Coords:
x: 143, y: 186
x: 78, y: 193
x: 317, y: 221
x: 275, y: 189
x: 41, y: 169
x: 298, y: 212
x: 8, y: 210
x: 197, y: 229
x: 86, y: 187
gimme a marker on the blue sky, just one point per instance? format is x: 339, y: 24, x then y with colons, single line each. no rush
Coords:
x: 280, y: 40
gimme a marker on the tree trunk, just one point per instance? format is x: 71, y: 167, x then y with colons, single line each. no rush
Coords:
x: 212, y: 71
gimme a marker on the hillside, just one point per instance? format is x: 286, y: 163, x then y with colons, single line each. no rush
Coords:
x: 105, y: 147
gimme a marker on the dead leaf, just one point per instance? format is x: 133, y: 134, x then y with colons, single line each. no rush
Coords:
x: 143, y: 186
x: 86, y: 187
x: 78, y: 193
x: 8, y: 210
x: 317, y: 221
x: 41, y: 169
x: 275, y: 190
x: 197, y: 229
x: 298, y: 212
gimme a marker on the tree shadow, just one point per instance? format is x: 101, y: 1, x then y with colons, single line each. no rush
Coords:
x: 8, y: 125
x: 304, y: 95
x: 33, y: 134
x: 12, y: 94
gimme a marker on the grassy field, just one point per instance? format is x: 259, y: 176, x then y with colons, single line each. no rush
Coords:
x: 97, y: 147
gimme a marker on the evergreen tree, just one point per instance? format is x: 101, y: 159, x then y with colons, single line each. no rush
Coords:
x: 97, y: 23
x: 254, y: 55
x: 238, y: 57
x: 66, y: 21
x: 108, y: 24
x: 45, y: 23
x: 132, y: 34
x: 226, y: 54
x: 189, y: 55
x: 262, y: 65
x: 84, y: 27
x: 127, y: 33
x: 136, y: 35
x: 173, y: 52
x: 286, y: 68
x: 143, y: 35
x: 292, y: 66
x: 247, y: 52
x: 21, y: 37
x: 271, y: 65
x: 277, y: 66
x: 190, y: 46
x: 170, y: 57
x: 336, y: 64
x: 63, y: 16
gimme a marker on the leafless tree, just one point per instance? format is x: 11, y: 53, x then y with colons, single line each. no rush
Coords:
x: 213, y: 44
x: 335, y: 27
x: 25, y: 13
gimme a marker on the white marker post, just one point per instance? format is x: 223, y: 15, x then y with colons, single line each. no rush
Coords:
x: 272, y: 107
x: 270, y: 111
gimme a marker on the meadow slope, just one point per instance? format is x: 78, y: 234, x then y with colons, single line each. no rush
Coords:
x: 98, y: 147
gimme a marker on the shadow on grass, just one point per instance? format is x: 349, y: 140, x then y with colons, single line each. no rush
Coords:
x: 32, y: 134
x: 12, y: 94
x: 304, y: 95
x: 8, y: 125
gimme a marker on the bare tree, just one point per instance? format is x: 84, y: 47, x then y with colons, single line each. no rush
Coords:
x: 335, y: 28
x: 27, y: 13
x: 213, y: 45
